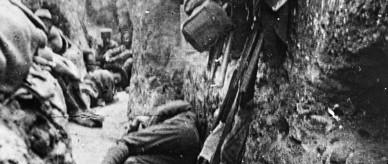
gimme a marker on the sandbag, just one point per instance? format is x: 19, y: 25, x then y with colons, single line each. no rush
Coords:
x: 206, y: 25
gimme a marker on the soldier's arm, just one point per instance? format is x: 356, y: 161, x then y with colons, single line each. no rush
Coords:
x: 45, y: 57
x: 122, y: 56
x: 113, y: 52
x: 99, y: 55
x: 117, y: 154
x: 99, y: 58
x: 108, y: 54
x: 169, y: 110
x: 55, y: 40
x: 43, y: 61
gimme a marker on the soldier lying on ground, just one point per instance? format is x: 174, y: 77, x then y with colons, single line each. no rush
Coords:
x: 172, y: 136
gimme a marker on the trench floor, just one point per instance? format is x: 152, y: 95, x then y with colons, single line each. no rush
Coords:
x: 91, y: 144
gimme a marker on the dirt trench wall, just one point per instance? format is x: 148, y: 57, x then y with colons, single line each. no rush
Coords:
x: 337, y: 61
x: 73, y: 14
x: 166, y: 68
x: 71, y: 18
x: 30, y: 132
x: 158, y: 65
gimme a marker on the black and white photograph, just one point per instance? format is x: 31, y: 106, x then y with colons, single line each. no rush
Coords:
x: 193, y: 81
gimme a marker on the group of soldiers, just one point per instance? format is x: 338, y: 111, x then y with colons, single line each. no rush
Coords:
x: 175, y: 134
x: 108, y: 70
x: 33, y: 62
x: 48, y: 70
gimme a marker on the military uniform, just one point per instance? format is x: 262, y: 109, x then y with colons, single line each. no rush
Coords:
x: 122, y: 57
x: 22, y: 38
x: 66, y: 73
x: 102, y: 49
x: 107, y: 44
x: 56, y: 39
x: 27, y: 109
x: 118, y: 55
x: 171, y: 138
x: 98, y: 85
x: 90, y: 60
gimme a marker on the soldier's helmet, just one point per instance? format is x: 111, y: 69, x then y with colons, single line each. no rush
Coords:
x: 43, y: 14
x: 106, y: 32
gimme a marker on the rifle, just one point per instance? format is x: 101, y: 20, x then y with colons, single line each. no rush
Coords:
x: 225, y: 59
x: 238, y: 93
x: 236, y: 76
x: 214, y: 53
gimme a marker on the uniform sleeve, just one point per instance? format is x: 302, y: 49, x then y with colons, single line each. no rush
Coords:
x: 99, y: 55
x: 55, y: 40
x: 122, y: 56
x: 169, y: 110
x: 20, y: 39
x: 113, y: 52
x: 117, y: 154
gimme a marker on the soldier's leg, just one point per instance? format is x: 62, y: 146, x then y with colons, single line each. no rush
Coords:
x: 156, y: 159
x: 167, y: 138
x: 75, y: 91
x: 76, y: 107
x: 172, y: 139
x: 71, y: 103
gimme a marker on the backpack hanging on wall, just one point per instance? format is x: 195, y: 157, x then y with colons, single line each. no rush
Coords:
x: 190, y: 5
x: 206, y: 25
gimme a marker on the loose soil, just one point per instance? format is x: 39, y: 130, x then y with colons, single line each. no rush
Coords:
x: 91, y: 144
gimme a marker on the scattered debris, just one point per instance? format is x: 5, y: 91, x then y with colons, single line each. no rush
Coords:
x: 327, y: 123
x: 333, y: 113
x: 321, y: 149
x: 301, y: 110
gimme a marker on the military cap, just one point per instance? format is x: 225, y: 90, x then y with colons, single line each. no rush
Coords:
x: 106, y: 31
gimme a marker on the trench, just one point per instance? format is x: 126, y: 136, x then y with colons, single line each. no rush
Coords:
x: 90, y: 145
x: 325, y: 103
